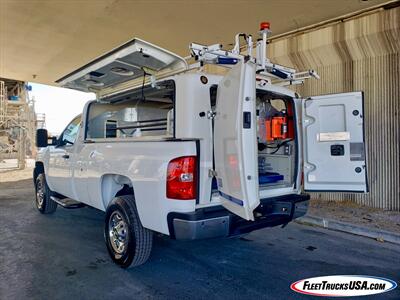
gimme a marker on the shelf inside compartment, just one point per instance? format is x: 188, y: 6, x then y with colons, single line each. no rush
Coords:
x: 269, y: 177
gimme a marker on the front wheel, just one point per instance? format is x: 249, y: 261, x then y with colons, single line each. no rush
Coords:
x: 43, y: 201
x: 128, y: 242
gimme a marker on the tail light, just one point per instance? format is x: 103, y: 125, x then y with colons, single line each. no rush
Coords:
x: 181, y: 178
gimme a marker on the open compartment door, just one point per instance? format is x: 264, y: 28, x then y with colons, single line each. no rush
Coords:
x: 126, y: 62
x: 334, y: 146
x: 235, y: 141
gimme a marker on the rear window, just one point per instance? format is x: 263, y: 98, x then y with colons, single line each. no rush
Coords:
x: 139, y: 113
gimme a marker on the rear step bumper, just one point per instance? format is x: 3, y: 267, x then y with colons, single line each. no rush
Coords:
x: 216, y: 221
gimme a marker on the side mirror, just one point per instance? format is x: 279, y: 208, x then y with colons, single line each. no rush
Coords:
x: 54, y: 140
x: 41, y: 138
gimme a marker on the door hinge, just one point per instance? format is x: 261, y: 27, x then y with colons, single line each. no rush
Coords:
x: 211, y: 114
x: 212, y: 173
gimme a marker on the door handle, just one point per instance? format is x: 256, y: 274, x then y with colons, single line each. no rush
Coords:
x: 93, y: 154
x: 66, y: 156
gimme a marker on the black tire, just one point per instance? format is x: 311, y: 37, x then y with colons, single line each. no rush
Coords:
x: 43, y: 202
x: 128, y: 242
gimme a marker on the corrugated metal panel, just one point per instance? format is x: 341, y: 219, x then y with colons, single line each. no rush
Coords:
x: 359, y: 54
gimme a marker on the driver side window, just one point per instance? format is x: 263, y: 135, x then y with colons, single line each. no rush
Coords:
x: 71, y: 132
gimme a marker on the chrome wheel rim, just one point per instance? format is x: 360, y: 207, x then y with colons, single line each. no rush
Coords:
x: 40, y: 194
x: 118, y: 233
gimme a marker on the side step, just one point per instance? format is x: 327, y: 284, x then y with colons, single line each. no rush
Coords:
x: 67, y: 202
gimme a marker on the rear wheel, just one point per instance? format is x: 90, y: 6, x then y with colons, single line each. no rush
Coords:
x: 128, y: 242
x: 43, y: 201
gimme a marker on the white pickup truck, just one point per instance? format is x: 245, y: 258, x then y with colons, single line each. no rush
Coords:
x: 191, y: 154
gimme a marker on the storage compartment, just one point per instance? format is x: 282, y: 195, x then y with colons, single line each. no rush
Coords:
x: 275, y: 141
x: 255, y: 146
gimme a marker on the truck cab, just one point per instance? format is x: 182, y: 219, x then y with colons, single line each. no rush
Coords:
x: 173, y: 148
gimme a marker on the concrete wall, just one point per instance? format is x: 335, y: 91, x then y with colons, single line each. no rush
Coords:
x: 361, y: 53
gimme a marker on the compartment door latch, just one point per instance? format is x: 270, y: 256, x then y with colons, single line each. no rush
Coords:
x: 211, y: 114
x: 212, y: 173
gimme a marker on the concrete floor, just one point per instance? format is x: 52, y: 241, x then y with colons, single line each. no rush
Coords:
x: 63, y: 256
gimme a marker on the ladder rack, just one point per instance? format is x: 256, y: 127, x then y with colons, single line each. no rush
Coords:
x: 214, y: 54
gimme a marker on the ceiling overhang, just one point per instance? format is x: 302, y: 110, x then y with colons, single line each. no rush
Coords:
x: 41, y: 41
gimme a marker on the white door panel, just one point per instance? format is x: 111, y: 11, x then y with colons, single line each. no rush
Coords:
x: 60, y: 169
x: 80, y: 173
x: 62, y: 160
x: 235, y: 141
x: 334, y: 148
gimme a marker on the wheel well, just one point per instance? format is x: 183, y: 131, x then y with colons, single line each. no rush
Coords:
x: 126, y: 190
x: 39, y: 169
x: 113, y: 185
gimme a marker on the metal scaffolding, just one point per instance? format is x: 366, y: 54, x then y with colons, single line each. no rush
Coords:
x: 18, y: 122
